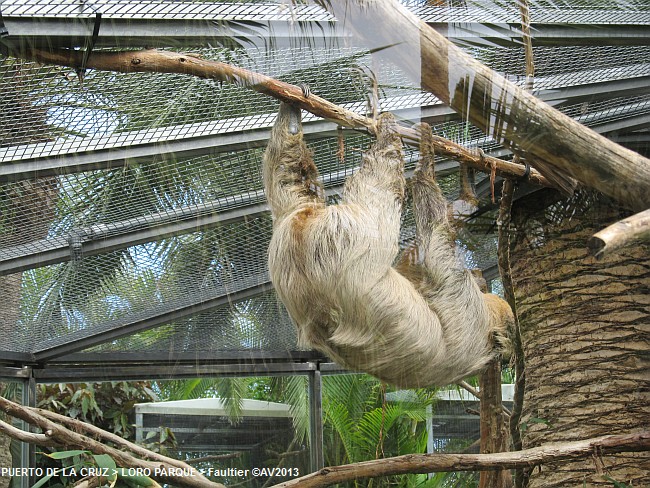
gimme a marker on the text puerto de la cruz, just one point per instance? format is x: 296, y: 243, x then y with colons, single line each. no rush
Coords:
x: 150, y: 472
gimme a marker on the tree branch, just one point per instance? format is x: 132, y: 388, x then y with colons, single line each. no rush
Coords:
x: 154, y: 61
x: 428, y: 463
x: 36, y: 439
x: 60, y: 435
x: 469, y: 388
x: 79, y: 426
x: 557, y: 145
x: 55, y: 434
x: 620, y: 234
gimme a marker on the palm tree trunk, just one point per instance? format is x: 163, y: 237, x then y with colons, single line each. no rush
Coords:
x: 585, y: 328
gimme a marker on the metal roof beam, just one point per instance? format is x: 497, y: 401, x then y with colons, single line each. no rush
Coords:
x: 125, y: 24
x: 547, y: 34
x: 69, y: 157
x: 78, y: 156
x: 48, y: 33
x: 175, y: 310
x: 98, y: 239
x: 137, y: 370
x: 557, y: 96
x: 628, y: 124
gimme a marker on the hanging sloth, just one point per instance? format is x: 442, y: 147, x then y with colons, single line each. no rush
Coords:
x: 420, y: 322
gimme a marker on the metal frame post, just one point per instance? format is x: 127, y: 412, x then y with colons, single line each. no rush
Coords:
x: 316, y: 459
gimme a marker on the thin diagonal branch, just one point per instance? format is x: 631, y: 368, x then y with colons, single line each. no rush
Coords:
x: 430, y: 463
x: 59, y: 435
x: 154, y: 61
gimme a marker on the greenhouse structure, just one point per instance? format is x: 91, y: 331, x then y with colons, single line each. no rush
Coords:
x: 134, y: 228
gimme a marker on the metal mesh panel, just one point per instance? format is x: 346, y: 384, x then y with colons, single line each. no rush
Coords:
x: 95, y: 294
x: 162, y: 9
x: 161, y: 234
x: 116, y: 110
x: 259, y: 323
x: 575, y: 11
x: 559, y: 66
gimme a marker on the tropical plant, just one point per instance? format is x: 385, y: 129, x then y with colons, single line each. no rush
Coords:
x: 107, y: 405
x: 77, y: 466
x: 364, y: 420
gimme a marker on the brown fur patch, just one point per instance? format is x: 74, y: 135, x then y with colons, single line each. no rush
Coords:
x: 300, y: 222
x: 409, y: 266
x: 309, y: 175
x: 410, y: 256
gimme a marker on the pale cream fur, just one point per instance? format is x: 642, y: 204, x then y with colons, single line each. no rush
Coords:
x: 420, y: 322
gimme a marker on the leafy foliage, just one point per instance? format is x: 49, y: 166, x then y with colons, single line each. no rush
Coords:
x: 362, y: 420
x: 361, y: 424
x: 108, y: 406
x: 105, y: 405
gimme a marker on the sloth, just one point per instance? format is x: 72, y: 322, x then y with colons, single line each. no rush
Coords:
x: 413, y: 319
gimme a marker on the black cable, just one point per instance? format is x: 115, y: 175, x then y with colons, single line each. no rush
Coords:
x: 90, y: 45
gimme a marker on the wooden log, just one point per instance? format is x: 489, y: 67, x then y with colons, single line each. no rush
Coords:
x: 559, y: 147
x: 623, y: 233
x: 428, y: 463
x: 56, y: 434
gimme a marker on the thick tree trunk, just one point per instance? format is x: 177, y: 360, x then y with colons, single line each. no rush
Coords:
x: 585, y: 329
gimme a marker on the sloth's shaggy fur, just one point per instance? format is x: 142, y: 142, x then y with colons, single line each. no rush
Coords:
x: 420, y: 322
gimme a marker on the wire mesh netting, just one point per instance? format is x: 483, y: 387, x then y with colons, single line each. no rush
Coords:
x: 132, y: 216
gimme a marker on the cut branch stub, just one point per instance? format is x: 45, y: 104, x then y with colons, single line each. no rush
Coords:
x: 623, y: 233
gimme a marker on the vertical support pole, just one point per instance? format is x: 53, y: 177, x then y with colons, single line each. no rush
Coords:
x: 139, y: 427
x: 493, y: 426
x: 429, y: 434
x: 27, y: 451
x: 316, y: 419
x: 25, y: 448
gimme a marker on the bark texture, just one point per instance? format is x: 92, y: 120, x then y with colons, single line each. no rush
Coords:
x: 494, y: 434
x: 586, y: 330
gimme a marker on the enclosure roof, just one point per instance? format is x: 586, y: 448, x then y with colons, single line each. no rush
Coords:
x: 133, y: 23
x: 214, y: 407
